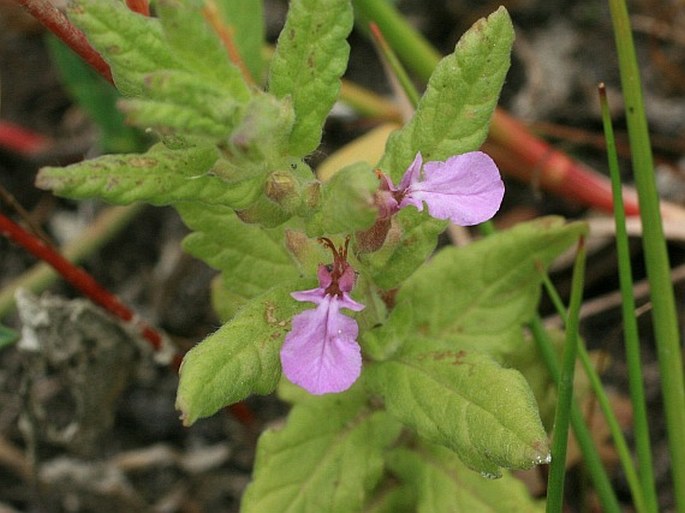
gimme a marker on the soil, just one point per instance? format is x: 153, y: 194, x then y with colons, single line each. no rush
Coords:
x: 76, y: 438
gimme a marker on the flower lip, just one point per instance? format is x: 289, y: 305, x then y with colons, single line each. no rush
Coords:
x: 321, y: 353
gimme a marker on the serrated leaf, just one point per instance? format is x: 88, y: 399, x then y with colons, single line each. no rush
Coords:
x: 246, y: 22
x: 98, y: 98
x: 112, y: 29
x: 311, y: 56
x: 442, y: 483
x: 161, y: 176
x: 347, y: 202
x: 167, y: 117
x: 454, y: 112
x: 479, y: 296
x: 178, y: 100
x: 253, y: 259
x: 327, y: 458
x: 198, y: 48
x: 465, y: 401
x: 240, y: 359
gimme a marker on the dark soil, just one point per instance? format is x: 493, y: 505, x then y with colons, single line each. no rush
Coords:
x: 138, y: 456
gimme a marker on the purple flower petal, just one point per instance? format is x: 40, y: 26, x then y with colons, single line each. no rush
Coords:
x: 467, y: 189
x: 412, y: 174
x: 313, y: 295
x: 321, y: 353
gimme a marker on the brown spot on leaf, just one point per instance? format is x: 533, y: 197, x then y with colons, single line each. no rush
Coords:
x: 143, y: 162
x: 451, y: 357
x: 270, y: 314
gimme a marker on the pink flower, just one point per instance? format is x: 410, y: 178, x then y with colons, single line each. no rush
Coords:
x: 321, y: 353
x: 466, y: 189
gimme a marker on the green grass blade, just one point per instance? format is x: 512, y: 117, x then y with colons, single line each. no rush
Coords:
x: 605, y: 405
x: 555, y: 484
x: 656, y: 257
x: 630, y: 329
x: 591, y: 458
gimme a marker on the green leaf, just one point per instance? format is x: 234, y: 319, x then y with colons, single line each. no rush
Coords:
x: 252, y: 259
x: 454, y: 112
x: 347, y: 202
x: 310, y: 58
x: 328, y: 457
x: 442, y: 483
x: 393, y: 498
x: 246, y: 22
x: 178, y: 100
x: 527, y: 359
x: 7, y: 336
x: 479, y: 296
x: 198, y: 48
x: 161, y: 176
x: 98, y: 98
x: 264, y: 129
x: 240, y: 359
x: 132, y: 44
x: 465, y: 401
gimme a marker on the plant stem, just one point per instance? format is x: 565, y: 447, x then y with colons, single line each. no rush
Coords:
x: 591, y: 457
x: 139, y: 6
x: 394, y: 65
x: 665, y: 323
x: 78, y: 277
x: 56, y: 22
x: 225, y: 32
x: 19, y: 140
x: 630, y: 328
x: 555, y: 484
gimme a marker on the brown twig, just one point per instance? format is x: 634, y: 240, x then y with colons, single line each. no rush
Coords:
x: 56, y: 22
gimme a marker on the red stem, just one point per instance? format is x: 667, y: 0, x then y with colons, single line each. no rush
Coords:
x: 524, y: 156
x: 85, y: 283
x: 19, y: 140
x: 56, y: 22
x: 77, y: 277
x: 139, y: 6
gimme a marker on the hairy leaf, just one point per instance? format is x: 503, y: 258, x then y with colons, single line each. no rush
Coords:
x: 327, y: 458
x: 466, y: 401
x: 310, y: 58
x: 454, y: 112
x: 161, y: 176
x: 240, y: 359
x: 442, y: 483
x: 177, y: 100
x: 252, y: 259
x: 98, y: 98
x: 479, y: 296
x: 112, y: 28
x: 198, y: 47
x: 246, y: 23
